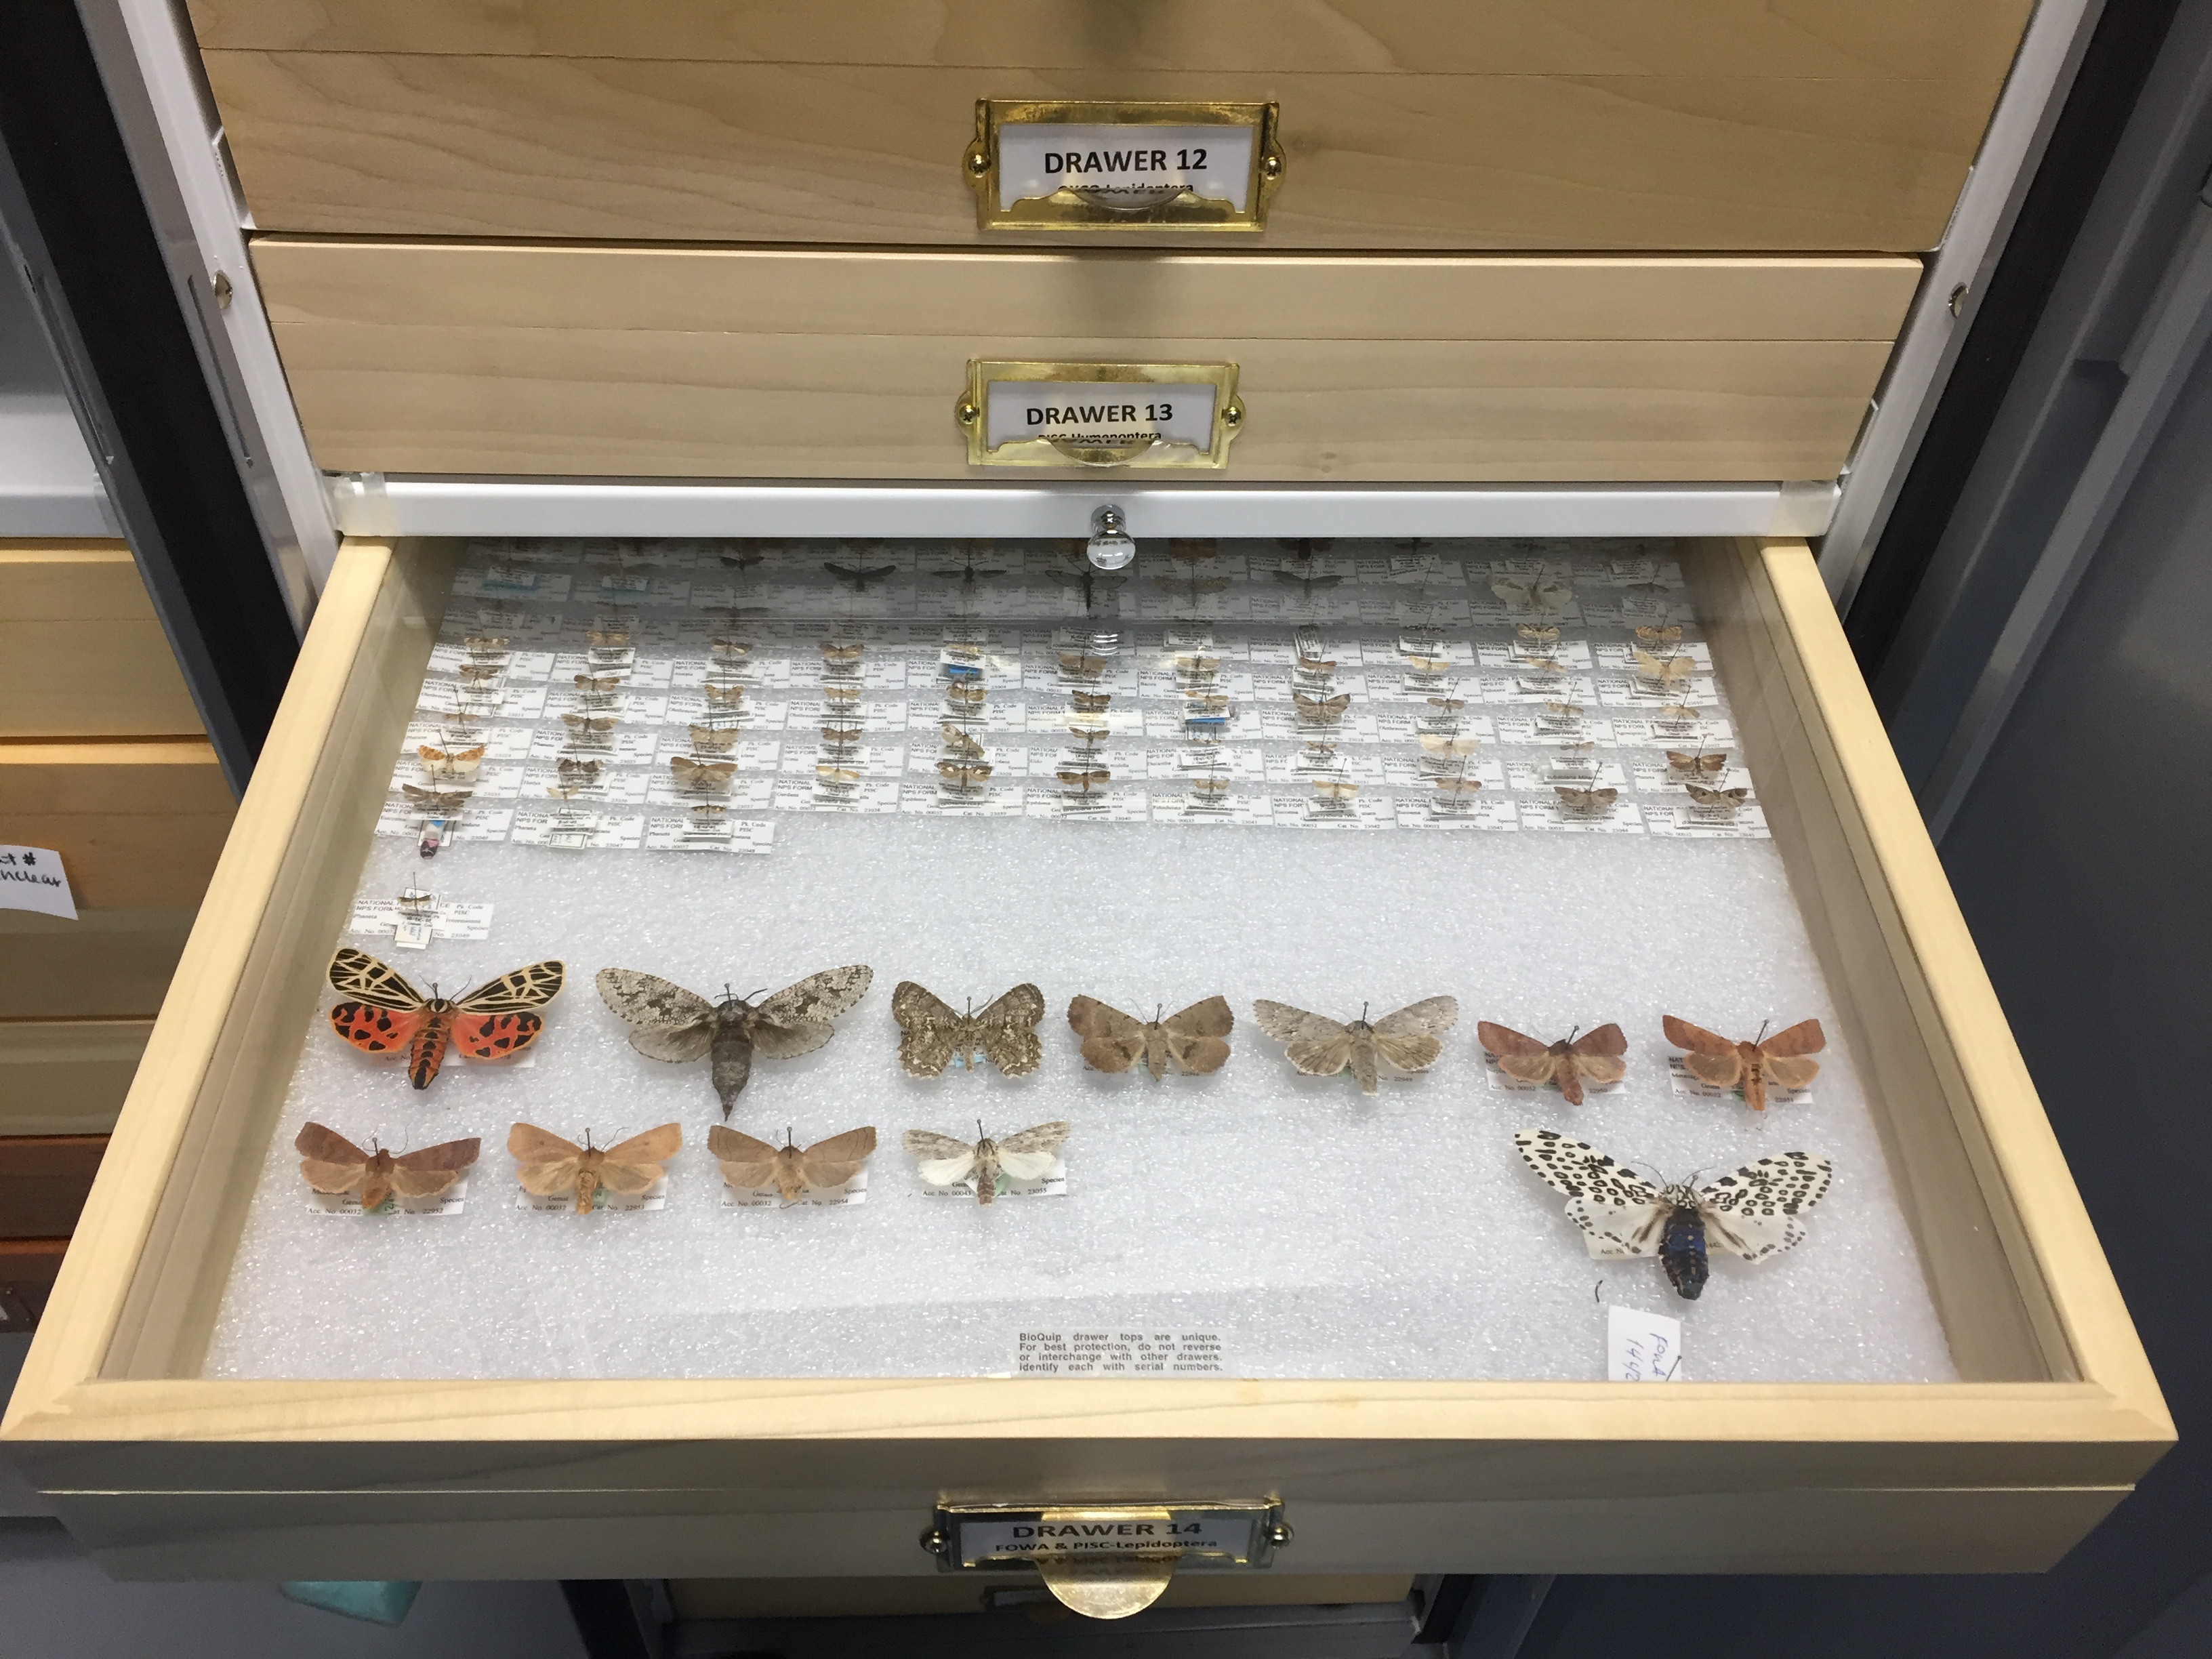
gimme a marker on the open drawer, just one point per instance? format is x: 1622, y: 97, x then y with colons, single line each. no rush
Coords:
x: 1954, y: 1386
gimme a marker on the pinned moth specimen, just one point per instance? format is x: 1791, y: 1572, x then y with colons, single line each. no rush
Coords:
x: 933, y: 1033
x: 1210, y: 791
x: 966, y: 572
x: 842, y: 700
x: 449, y: 765
x: 1754, y: 1212
x: 965, y: 694
x: 1700, y: 765
x: 484, y: 645
x: 438, y: 809
x: 1192, y: 1040
x: 381, y: 1012
x: 671, y: 1023
x: 1090, y: 736
x: 608, y: 639
x: 1081, y: 666
x: 1596, y: 1057
x: 1781, y: 1060
x: 550, y: 1165
x: 1083, y: 781
x: 480, y: 674
x: 598, y: 689
x: 724, y: 650
x: 1560, y: 716
x: 1449, y: 705
x: 1671, y: 635
x: 1406, y: 1041
x: 1457, y: 791
x: 713, y: 739
x: 1320, y: 711
x: 1028, y: 1155
x: 961, y: 745
x: 723, y: 699
x: 1306, y: 577
x: 860, y: 575
x: 1428, y: 667
x: 837, y: 779
x: 1336, y: 791
x: 963, y: 774
x: 576, y: 775
x: 1585, y: 803
x: 842, y: 659
x: 1443, y: 744
x: 840, y: 737
x: 1544, y: 595
x: 1676, y: 715
x: 701, y: 777
x: 1091, y: 703
x: 1536, y: 636
x: 1725, y: 802
x: 334, y: 1164
x: 1663, y: 674
x: 1194, y: 670
x: 750, y: 1165
x: 590, y: 730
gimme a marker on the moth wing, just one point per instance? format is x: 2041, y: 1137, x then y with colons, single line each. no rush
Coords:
x: 333, y: 1175
x: 1791, y: 1071
x: 1028, y: 1154
x: 746, y: 1162
x: 1430, y: 1015
x: 1696, y: 1038
x: 1575, y: 1169
x: 494, y: 1036
x: 376, y: 1031
x: 1785, y: 1183
x: 1722, y: 1071
x: 1409, y: 1051
x: 818, y: 998
x: 629, y: 1177
x: 651, y: 1147
x: 1006, y: 1031
x: 515, y: 992
x: 944, y: 1161
x: 916, y: 1009
x: 1323, y: 1054
x: 356, y: 974
x: 1194, y: 1035
x: 1599, y: 1068
x: 1503, y: 1040
x: 326, y: 1146
x: 1539, y: 1067
x: 528, y: 1144
x: 1210, y: 1018
x: 1754, y: 1237
x: 678, y: 1043
x: 834, y: 1162
x: 1806, y: 1037
x: 649, y: 1001
x: 446, y: 1157
x: 928, y: 1025
x: 424, y: 1183
x: 1284, y: 1023
x: 1617, y: 1232
x: 1605, y: 1040
x: 543, y: 1179
x: 1112, y: 1040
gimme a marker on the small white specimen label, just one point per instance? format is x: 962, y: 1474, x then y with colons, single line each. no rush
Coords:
x: 1642, y: 1347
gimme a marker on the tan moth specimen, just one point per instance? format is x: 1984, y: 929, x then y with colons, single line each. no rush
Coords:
x: 713, y: 739
x: 933, y: 1033
x: 1781, y: 1060
x: 332, y: 1164
x: 752, y: 1166
x: 1669, y: 673
x: 1091, y: 703
x: 1321, y: 711
x: 1717, y: 801
x: 700, y: 776
x: 1083, y: 781
x: 1406, y: 1041
x: 725, y: 697
x: 1447, y: 743
x: 1595, y: 1057
x: 548, y: 1165
x: 1192, y: 1039
x: 1453, y: 787
x: 1701, y: 765
x: 438, y: 803
x: 1589, y: 803
x: 1027, y: 1155
x: 1670, y: 635
x: 966, y: 694
x: 596, y: 687
x: 963, y: 746
x: 449, y: 765
x: 964, y: 774
x: 671, y: 1023
x: 589, y: 731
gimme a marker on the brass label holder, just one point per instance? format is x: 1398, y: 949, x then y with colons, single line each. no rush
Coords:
x: 1101, y: 414
x: 1101, y: 165
x: 1106, y: 1560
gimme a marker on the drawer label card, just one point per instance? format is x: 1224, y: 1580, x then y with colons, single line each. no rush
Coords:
x: 1100, y: 165
x: 1100, y: 415
x: 32, y: 878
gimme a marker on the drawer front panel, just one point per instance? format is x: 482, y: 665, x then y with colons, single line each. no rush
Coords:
x: 66, y: 1077
x: 138, y: 825
x: 107, y: 964
x: 81, y: 654
x: 413, y: 144
x: 411, y: 358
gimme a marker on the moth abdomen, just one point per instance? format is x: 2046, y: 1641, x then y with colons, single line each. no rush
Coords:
x: 427, y: 1051
x: 1682, y: 1251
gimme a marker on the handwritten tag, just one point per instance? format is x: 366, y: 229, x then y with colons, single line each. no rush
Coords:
x: 1642, y: 1347
x: 32, y: 878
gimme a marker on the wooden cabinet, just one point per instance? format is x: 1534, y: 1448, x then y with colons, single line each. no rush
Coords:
x: 81, y: 653
x: 163, y: 1472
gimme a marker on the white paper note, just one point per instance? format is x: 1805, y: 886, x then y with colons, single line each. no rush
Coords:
x: 1642, y: 1347
x: 32, y: 878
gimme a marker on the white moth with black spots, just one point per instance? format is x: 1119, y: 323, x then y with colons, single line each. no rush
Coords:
x: 1755, y: 1211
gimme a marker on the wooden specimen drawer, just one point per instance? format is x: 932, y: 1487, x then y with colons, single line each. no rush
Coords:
x: 1699, y: 125
x: 67, y: 1077
x: 43, y: 1182
x: 138, y: 825
x: 81, y: 654
x: 161, y: 1471
x: 692, y: 363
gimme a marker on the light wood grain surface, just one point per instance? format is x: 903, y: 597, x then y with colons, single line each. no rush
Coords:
x: 138, y: 825
x: 67, y: 1077
x: 108, y: 964
x: 162, y: 1473
x: 672, y: 362
x: 81, y: 654
x: 401, y: 144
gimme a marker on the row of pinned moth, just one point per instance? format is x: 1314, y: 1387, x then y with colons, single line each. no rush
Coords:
x: 379, y: 1012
